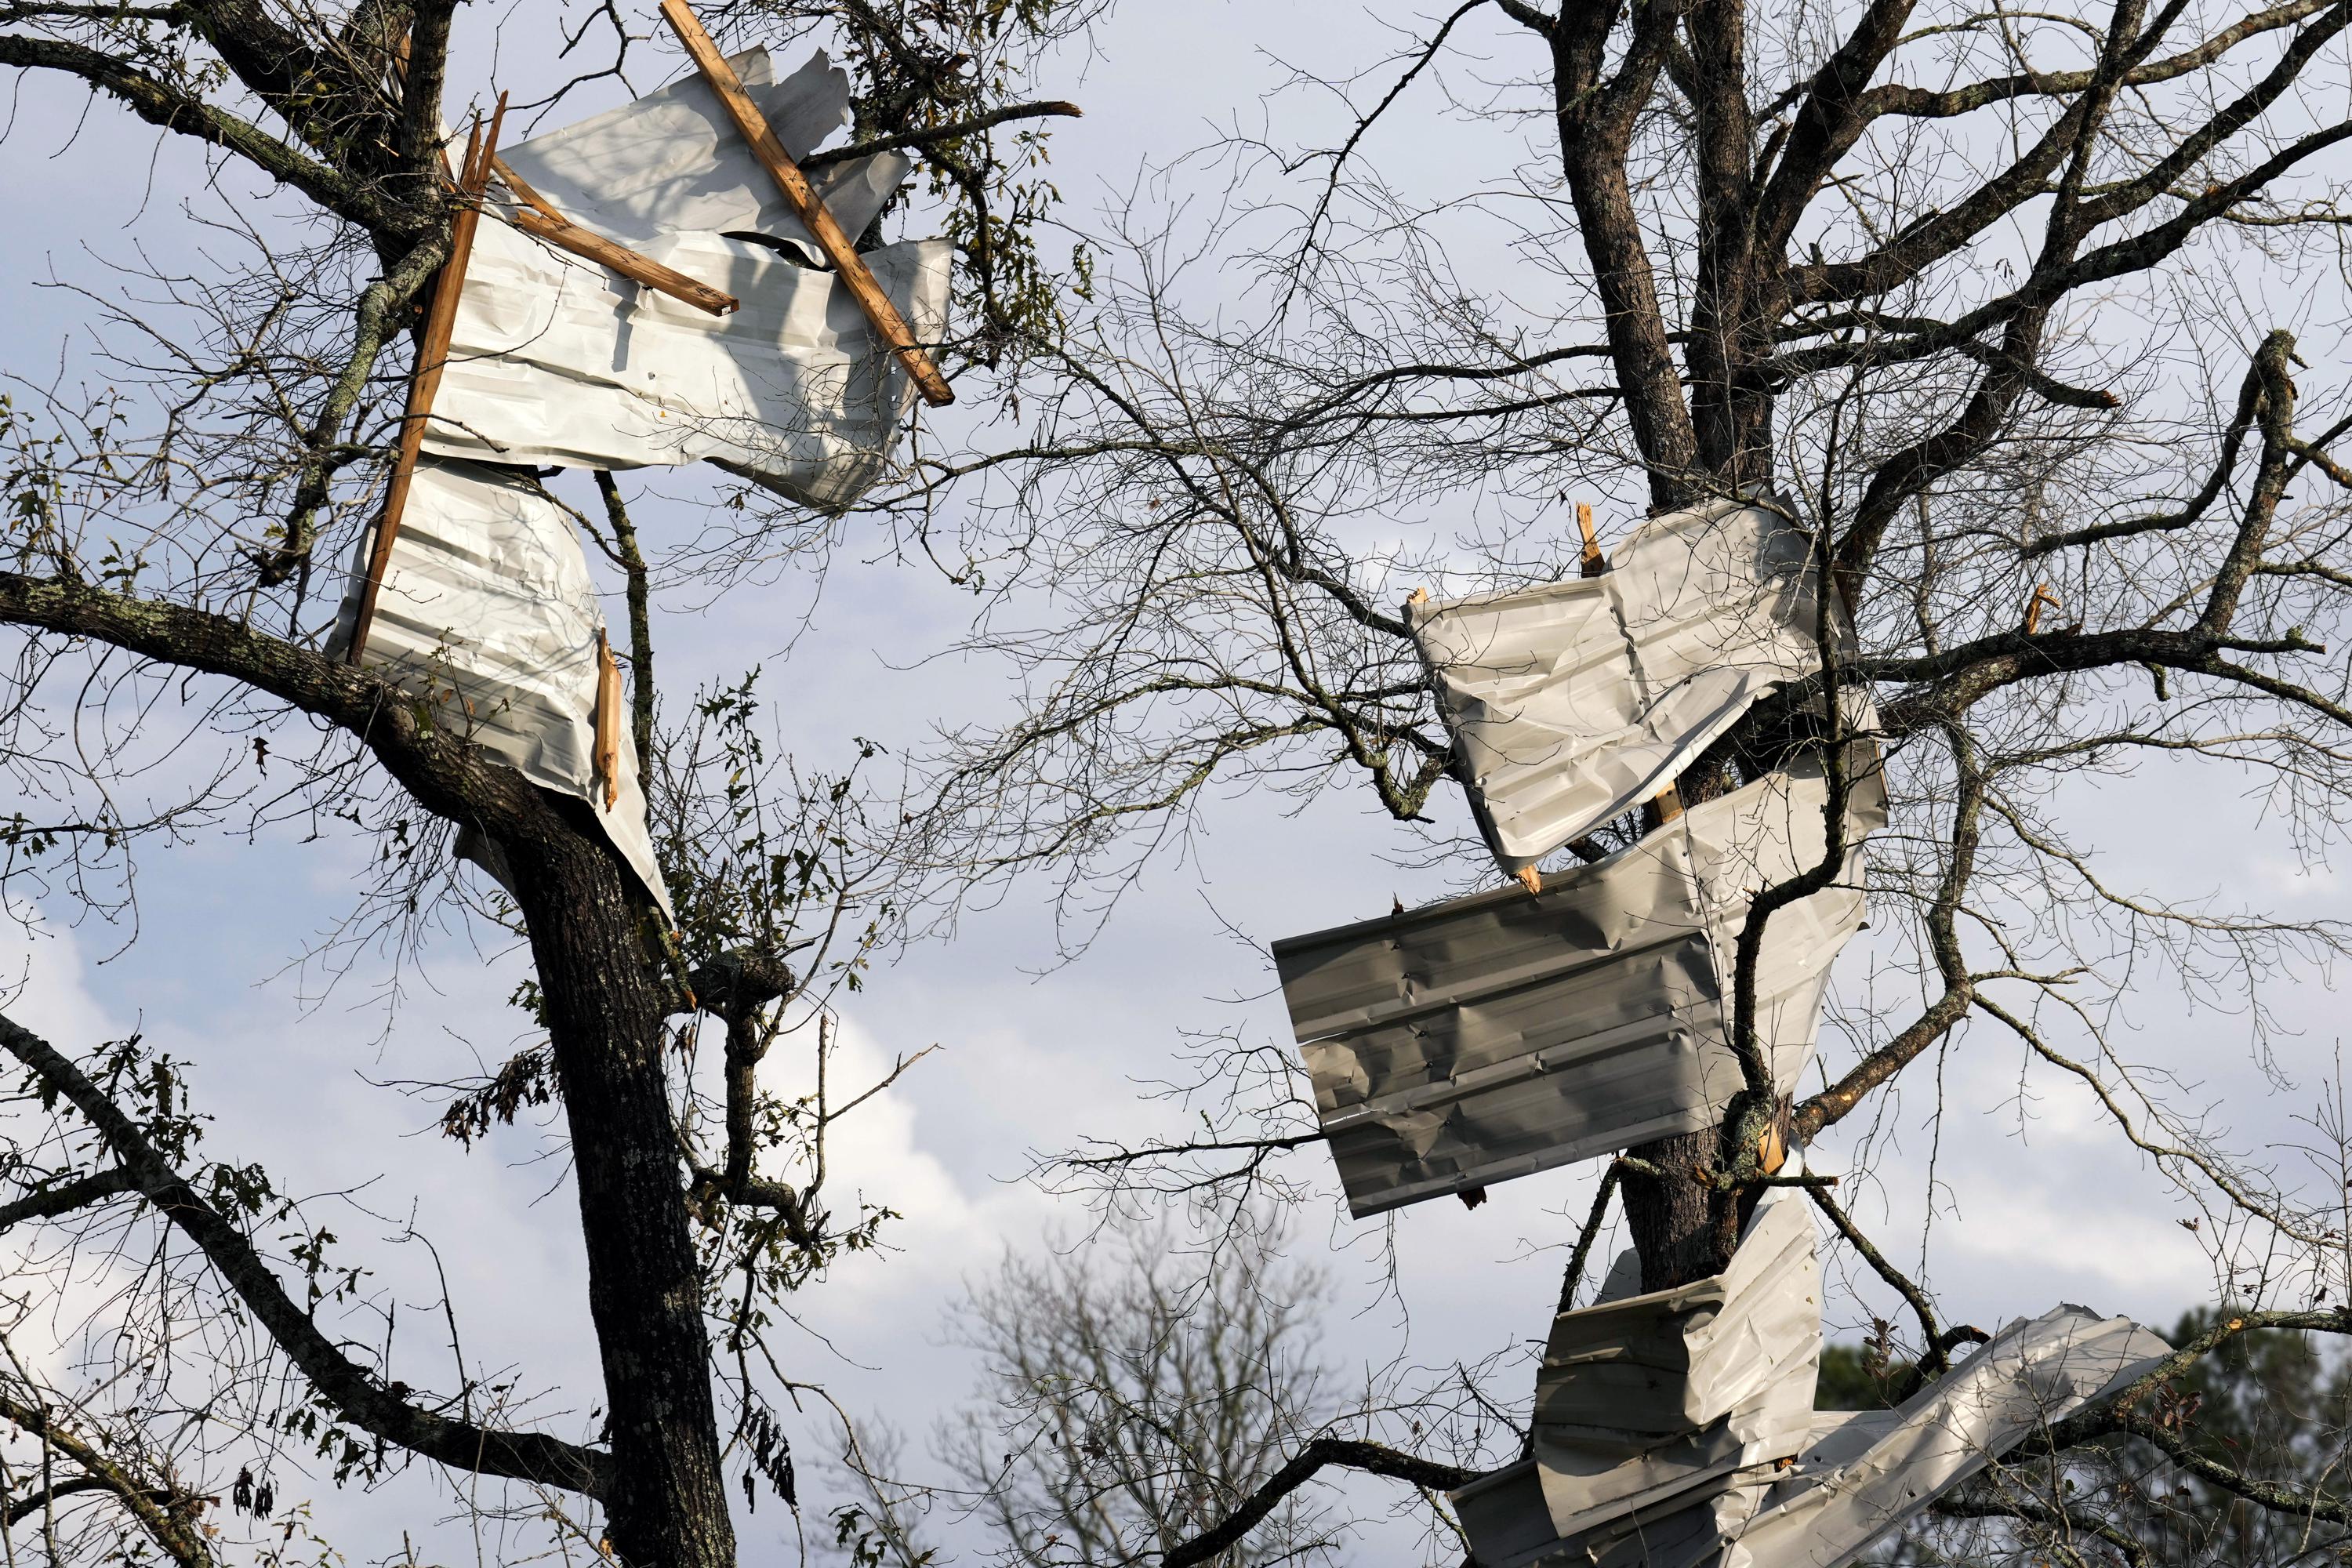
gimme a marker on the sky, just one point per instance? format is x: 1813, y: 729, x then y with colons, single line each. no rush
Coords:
x: 2037, y: 1199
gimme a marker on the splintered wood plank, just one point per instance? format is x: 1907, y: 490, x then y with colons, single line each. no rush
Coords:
x: 608, y: 719
x: 539, y: 218
x: 889, y: 325
x: 432, y: 356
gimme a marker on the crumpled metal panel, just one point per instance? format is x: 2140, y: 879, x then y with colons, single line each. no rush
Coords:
x: 1573, y: 702
x: 1673, y: 1361
x: 1864, y: 1480
x: 556, y: 360
x: 1857, y: 1476
x: 489, y: 617
x: 1504, y: 1516
x: 1643, y: 1396
x: 672, y: 161
x: 1492, y: 1037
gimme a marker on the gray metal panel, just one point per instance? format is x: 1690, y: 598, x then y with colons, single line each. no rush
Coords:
x: 1673, y: 1361
x: 1860, y: 1483
x: 555, y: 359
x: 487, y: 614
x: 1648, y: 1395
x: 1858, y: 1476
x: 1496, y: 1036
x: 1504, y: 1521
x: 1573, y: 702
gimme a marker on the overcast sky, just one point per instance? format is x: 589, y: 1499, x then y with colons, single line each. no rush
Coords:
x: 2038, y: 1201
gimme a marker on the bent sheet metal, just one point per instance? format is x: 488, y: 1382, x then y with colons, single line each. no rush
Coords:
x: 489, y: 617
x: 1495, y: 1036
x: 1573, y: 702
x: 1643, y: 1396
x: 1858, y: 1475
x: 554, y: 360
x: 1868, y: 1478
x: 672, y: 162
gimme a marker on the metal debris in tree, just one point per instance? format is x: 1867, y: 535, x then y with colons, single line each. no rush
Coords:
x: 656, y: 285
x: 489, y: 617
x: 1572, y: 703
x: 1644, y: 1396
x: 1852, y: 1478
x: 1488, y: 1037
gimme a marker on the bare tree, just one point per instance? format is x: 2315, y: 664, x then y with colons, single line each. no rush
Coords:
x: 1131, y: 1399
x: 1143, y: 1391
x: 1986, y: 301
x: 167, y: 546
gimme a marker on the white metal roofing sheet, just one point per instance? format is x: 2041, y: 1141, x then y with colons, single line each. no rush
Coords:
x: 555, y: 360
x: 672, y: 161
x: 1573, y: 702
x: 489, y: 614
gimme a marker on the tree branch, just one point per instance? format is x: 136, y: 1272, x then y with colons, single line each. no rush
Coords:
x: 66, y: 1196
x: 1373, y: 1458
x: 168, y: 107
x: 360, y: 1395
x: 448, y: 774
x: 952, y: 130
x: 158, y: 1511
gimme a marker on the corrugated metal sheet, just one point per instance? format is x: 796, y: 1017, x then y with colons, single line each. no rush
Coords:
x: 1673, y: 1361
x: 671, y: 162
x: 1491, y: 1037
x: 1864, y: 1479
x: 1508, y: 1527
x: 1573, y: 702
x: 556, y: 360
x: 1858, y: 1476
x: 1641, y: 1396
x: 489, y: 617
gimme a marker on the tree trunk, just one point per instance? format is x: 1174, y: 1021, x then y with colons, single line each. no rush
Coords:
x: 1681, y: 1228
x: 606, y: 1004
x: 1672, y: 1220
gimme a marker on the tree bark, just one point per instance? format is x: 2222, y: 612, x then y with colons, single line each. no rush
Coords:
x: 606, y: 1004
x: 1596, y: 115
x: 1671, y: 1218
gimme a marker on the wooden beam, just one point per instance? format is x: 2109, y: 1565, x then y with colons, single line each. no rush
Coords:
x: 889, y: 325
x: 537, y: 218
x: 432, y: 356
x: 608, y: 719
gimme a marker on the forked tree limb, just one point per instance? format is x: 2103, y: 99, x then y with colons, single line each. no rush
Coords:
x: 359, y: 1395
x: 162, y: 104
x: 1941, y: 1015
x: 448, y: 776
